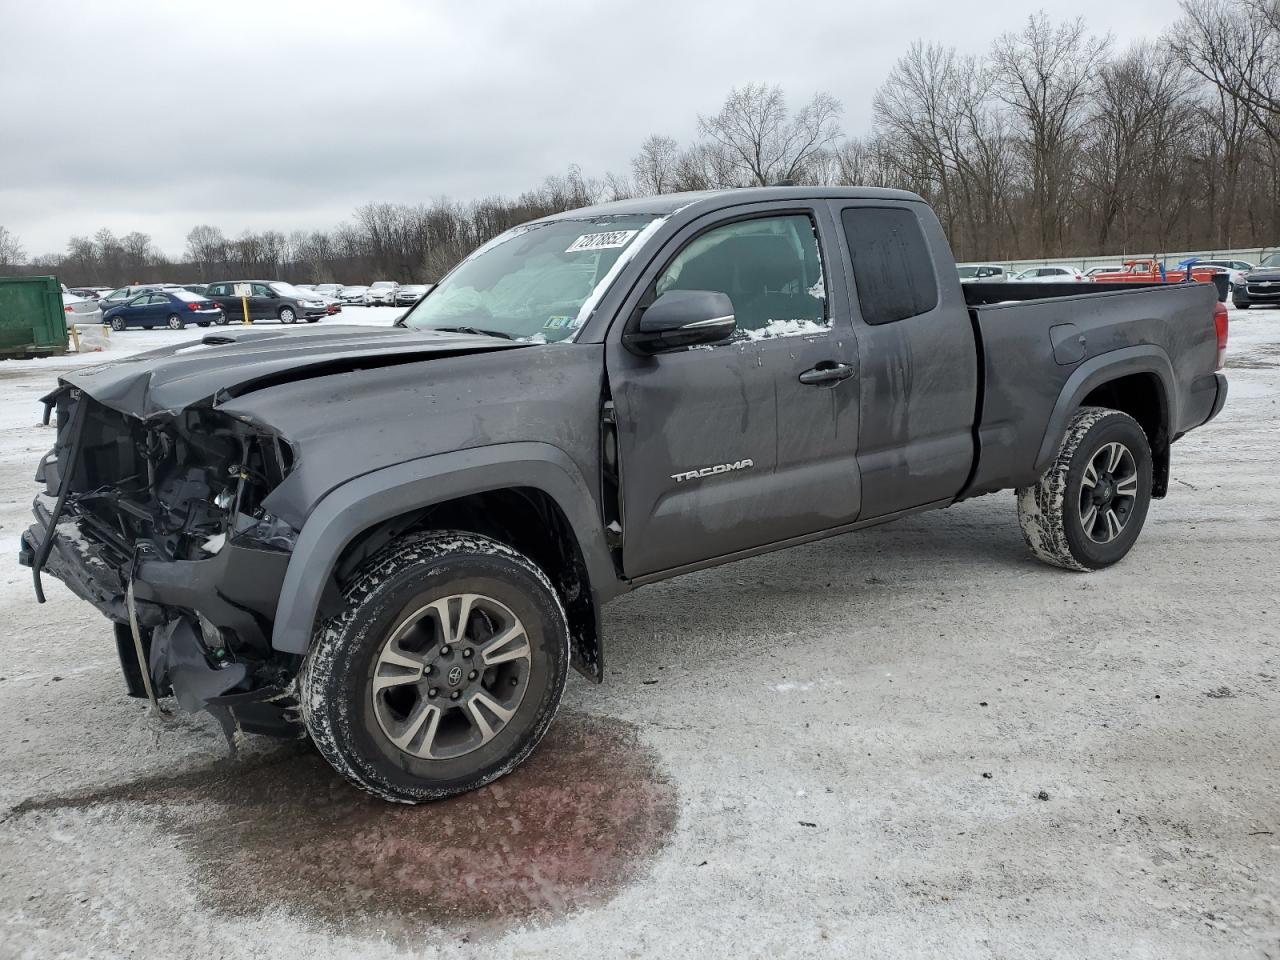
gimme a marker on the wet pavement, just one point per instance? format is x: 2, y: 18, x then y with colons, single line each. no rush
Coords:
x: 282, y: 829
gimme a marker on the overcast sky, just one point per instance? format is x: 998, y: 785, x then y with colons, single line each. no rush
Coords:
x: 158, y: 116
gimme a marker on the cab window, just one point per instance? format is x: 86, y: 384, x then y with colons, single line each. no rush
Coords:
x: 769, y: 267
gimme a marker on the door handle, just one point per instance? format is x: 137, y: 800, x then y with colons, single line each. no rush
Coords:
x: 828, y: 371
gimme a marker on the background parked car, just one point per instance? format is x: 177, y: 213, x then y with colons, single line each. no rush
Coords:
x: 122, y: 294
x: 354, y: 293
x: 333, y: 290
x: 269, y: 300
x: 1236, y: 269
x: 382, y: 294
x: 410, y: 293
x: 1260, y: 286
x: 172, y: 307
x: 981, y: 272
x: 1110, y: 268
x: 200, y: 288
x: 80, y: 309
x: 1050, y: 275
x: 86, y: 293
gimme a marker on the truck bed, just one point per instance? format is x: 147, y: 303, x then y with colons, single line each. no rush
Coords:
x: 1092, y: 333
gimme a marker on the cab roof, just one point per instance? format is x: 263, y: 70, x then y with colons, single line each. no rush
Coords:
x: 666, y: 204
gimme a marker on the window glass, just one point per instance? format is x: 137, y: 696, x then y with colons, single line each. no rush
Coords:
x: 892, y: 267
x: 770, y: 268
x: 260, y: 290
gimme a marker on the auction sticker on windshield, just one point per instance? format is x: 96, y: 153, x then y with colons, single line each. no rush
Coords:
x: 609, y: 240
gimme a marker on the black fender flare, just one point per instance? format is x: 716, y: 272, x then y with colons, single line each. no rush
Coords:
x: 360, y: 503
x: 1144, y: 358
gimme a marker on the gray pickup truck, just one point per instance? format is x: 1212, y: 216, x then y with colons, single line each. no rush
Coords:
x: 399, y: 539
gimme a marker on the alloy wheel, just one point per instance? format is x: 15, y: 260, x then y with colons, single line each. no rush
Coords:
x: 451, y: 676
x: 1108, y: 492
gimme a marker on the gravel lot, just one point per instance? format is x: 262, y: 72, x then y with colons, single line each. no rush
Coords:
x: 911, y: 741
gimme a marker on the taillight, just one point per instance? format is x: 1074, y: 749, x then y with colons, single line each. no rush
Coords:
x: 1220, y: 328
x: 68, y: 309
x: 193, y: 306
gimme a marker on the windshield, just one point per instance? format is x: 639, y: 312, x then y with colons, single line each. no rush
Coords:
x: 382, y: 285
x: 536, y: 282
x: 1270, y: 260
x: 289, y: 290
x: 967, y: 273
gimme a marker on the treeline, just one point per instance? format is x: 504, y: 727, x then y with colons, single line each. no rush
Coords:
x: 1052, y: 143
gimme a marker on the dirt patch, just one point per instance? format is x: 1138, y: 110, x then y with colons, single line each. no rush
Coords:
x: 1263, y: 357
x: 566, y: 830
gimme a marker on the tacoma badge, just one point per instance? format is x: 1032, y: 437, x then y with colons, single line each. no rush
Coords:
x: 713, y: 470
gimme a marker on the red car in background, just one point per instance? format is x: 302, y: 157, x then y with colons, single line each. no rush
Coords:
x: 1149, y: 271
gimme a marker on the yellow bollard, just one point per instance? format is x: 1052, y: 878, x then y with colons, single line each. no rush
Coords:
x: 244, y: 302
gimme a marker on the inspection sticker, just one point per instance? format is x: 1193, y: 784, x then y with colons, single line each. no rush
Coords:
x: 602, y: 241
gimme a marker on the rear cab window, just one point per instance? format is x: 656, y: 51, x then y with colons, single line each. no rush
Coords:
x: 892, y: 263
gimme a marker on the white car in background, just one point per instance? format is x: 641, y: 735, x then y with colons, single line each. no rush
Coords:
x: 353, y: 294
x: 981, y: 273
x: 410, y: 293
x: 382, y: 294
x: 1236, y: 269
x: 1051, y: 275
x: 332, y: 291
x: 80, y: 309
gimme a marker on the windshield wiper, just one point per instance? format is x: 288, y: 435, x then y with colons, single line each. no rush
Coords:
x: 476, y: 331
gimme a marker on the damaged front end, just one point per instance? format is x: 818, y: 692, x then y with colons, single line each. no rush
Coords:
x: 159, y: 523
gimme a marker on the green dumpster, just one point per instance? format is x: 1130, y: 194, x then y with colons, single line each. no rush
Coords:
x: 32, y: 319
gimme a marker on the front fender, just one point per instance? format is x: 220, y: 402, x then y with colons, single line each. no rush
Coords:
x: 365, y: 501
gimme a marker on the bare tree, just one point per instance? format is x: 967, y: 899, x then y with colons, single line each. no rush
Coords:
x: 654, y: 167
x: 11, y: 252
x: 1046, y: 77
x: 763, y: 140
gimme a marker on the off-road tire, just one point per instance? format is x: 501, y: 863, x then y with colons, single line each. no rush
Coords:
x: 335, y: 682
x: 1050, y: 513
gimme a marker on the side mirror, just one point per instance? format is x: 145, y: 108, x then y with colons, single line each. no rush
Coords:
x: 682, y: 318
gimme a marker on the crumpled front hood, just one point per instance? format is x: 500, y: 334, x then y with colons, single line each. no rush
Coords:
x: 233, y: 362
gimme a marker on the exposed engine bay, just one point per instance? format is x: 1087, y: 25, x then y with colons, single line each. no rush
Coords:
x: 160, y: 524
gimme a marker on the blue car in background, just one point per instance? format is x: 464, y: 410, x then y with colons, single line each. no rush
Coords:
x: 172, y: 307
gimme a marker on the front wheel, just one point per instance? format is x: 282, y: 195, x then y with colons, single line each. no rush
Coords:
x: 443, y: 672
x: 287, y: 315
x: 1087, y: 510
x: 117, y: 324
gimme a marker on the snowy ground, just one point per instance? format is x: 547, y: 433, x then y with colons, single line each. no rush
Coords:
x: 913, y: 741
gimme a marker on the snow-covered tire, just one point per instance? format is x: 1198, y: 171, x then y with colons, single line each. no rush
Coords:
x: 1053, y: 512
x: 336, y: 683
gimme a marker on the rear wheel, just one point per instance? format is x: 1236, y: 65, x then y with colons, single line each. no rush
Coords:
x: 1087, y: 510
x: 175, y: 322
x: 444, y: 671
x: 287, y: 315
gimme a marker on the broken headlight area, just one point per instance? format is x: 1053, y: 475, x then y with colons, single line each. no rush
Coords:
x: 181, y: 486
x: 164, y: 519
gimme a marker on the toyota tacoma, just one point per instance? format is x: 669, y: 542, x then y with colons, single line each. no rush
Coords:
x: 398, y: 540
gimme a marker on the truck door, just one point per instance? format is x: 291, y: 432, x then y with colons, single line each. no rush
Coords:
x: 724, y: 448
x: 918, y: 373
